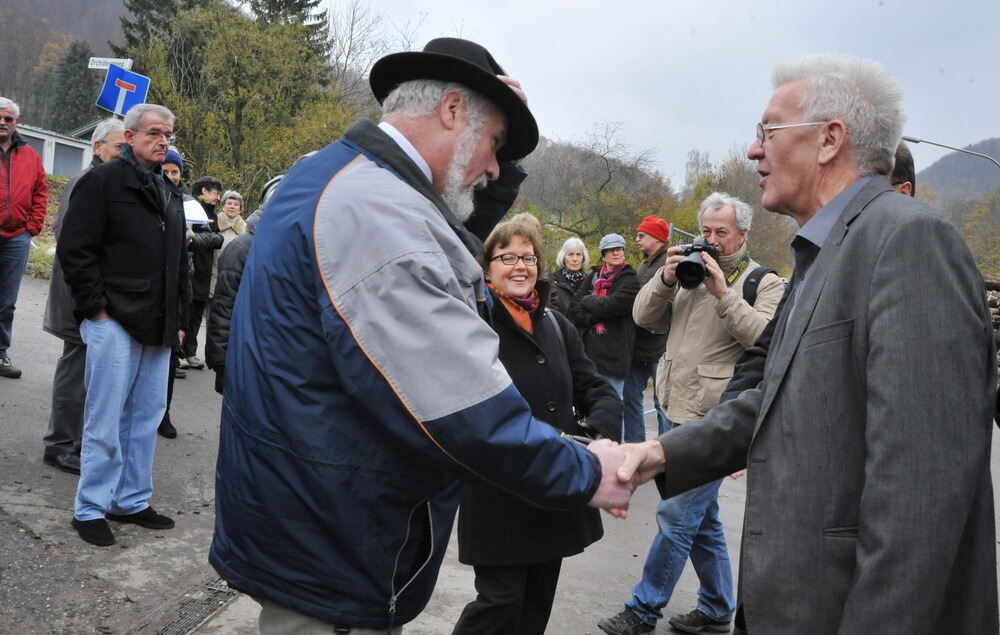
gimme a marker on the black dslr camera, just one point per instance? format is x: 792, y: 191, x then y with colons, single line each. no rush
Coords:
x: 691, y: 271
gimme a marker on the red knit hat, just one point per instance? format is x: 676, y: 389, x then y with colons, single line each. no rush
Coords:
x: 655, y: 227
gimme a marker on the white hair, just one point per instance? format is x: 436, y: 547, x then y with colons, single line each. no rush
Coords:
x: 106, y: 127
x: 135, y: 114
x: 420, y: 97
x: 7, y: 104
x: 718, y: 200
x: 858, y: 92
x: 232, y: 194
x: 572, y: 244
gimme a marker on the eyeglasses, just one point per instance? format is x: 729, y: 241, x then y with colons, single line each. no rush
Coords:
x: 159, y: 134
x: 8, y: 119
x: 761, y: 128
x: 511, y: 259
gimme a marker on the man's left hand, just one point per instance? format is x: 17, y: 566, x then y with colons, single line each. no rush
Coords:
x: 180, y: 337
x: 715, y: 282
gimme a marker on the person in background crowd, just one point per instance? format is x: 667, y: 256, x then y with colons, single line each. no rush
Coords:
x: 207, y: 190
x: 708, y: 328
x: 869, y: 504
x: 198, y: 242
x: 904, y: 177
x: 652, y: 236
x: 122, y: 252
x: 335, y: 429
x: 515, y: 547
x: 24, y: 195
x: 231, y: 224
x: 230, y: 266
x: 602, y: 310
x: 571, y: 262
x: 62, y: 440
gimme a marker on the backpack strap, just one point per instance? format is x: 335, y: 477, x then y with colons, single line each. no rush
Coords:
x: 752, y: 282
x: 555, y: 324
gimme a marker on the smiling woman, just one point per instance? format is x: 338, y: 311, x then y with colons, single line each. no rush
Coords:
x: 516, y: 548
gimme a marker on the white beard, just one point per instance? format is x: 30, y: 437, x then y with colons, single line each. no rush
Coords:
x: 460, y: 199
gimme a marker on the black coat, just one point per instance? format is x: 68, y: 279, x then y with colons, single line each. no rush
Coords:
x: 203, y: 255
x: 231, y: 263
x: 496, y: 528
x: 611, y: 351
x: 122, y: 252
x: 562, y: 292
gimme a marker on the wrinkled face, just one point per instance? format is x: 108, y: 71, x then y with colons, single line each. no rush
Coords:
x: 787, y: 159
x: 614, y: 257
x: 573, y: 260
x: 515, y: 280
x: 111, y: 146
x: 473, y: 163
x: 173, y: 172
x: 232, y: 207
x: 151, y: 141
x: 8, y: 124
x: 647, y: 243
x: 719, y: 228
x: 210, y: 196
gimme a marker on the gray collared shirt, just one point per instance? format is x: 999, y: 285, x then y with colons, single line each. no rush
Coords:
x: 810, y: 238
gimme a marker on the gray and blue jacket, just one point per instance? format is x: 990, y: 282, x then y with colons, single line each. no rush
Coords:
x: 368, y: 385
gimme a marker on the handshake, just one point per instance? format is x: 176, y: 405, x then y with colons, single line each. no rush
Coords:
x: 623, y: 468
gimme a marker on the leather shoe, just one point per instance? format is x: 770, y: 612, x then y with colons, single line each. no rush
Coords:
x: 180, y: 373
x: 96, y: 531
x: 167, y: 429
x: 147, y: 518
x: 65, y: 461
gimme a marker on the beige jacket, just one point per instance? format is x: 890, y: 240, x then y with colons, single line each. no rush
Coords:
x: 706, y: 336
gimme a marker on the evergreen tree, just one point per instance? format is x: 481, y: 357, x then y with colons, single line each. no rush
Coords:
x: 150, y: 19
x: 76, y: 89
x: 297, y: 12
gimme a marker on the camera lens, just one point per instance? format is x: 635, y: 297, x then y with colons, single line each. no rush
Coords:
x: 691, y: 271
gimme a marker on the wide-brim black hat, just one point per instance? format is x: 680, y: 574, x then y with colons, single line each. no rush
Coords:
x: 469, y: 64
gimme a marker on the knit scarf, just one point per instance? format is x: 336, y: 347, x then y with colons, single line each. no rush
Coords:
x: 150, y: 181
x: 238, y: 225
x: 574, y: 277
x: 602, y: 285
x: 521, y: 309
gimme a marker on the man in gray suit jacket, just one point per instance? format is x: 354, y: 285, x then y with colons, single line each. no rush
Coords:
x: 869, y: 505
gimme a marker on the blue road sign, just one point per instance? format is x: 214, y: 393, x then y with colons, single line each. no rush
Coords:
x: 122, y: 90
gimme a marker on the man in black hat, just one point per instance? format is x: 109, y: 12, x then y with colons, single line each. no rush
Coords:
x: 368, y: 383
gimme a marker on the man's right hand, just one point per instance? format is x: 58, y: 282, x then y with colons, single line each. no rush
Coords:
x: 643, y: 459
x: 674, y: 257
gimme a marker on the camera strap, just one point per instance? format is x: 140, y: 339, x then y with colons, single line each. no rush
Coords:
x: 738, y: 270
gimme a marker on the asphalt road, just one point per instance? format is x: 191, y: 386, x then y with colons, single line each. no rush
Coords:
x: 160, y: 581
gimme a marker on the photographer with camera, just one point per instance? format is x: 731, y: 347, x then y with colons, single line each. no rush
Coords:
x: 713, y: 300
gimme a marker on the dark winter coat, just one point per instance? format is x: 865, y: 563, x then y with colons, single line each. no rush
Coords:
x: 649, y: 345
x: 203, y: 256
x: 611, y: 351
x: 123, y: 252
x: 24, y: 190
x: 562, y: 291
x: 59, y: 305
x: 496, y: 528
x: 231, y: 264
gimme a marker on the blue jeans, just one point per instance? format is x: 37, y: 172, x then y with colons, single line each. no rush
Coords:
x: 688, y: 525
x: 13, y: 258
x: 126, y: 398
x: 635, y: 386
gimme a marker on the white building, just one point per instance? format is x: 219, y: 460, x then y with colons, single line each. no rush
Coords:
x: 61, y: 154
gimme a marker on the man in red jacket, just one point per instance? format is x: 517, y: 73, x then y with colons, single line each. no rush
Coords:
x: 23, y: 197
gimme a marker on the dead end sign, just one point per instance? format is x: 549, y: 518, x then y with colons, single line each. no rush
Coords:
x: 122, y: 90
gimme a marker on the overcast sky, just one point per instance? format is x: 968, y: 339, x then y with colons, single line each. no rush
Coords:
x: 696, y: 74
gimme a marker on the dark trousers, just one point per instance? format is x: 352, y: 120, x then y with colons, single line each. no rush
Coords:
x: 68, y: 398
x: 190, y: 346
x: 513, y: 600
x: 170, y: 382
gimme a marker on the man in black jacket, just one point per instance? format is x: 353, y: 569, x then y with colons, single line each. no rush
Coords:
x: 207, y: 190
x: 122, y: 252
